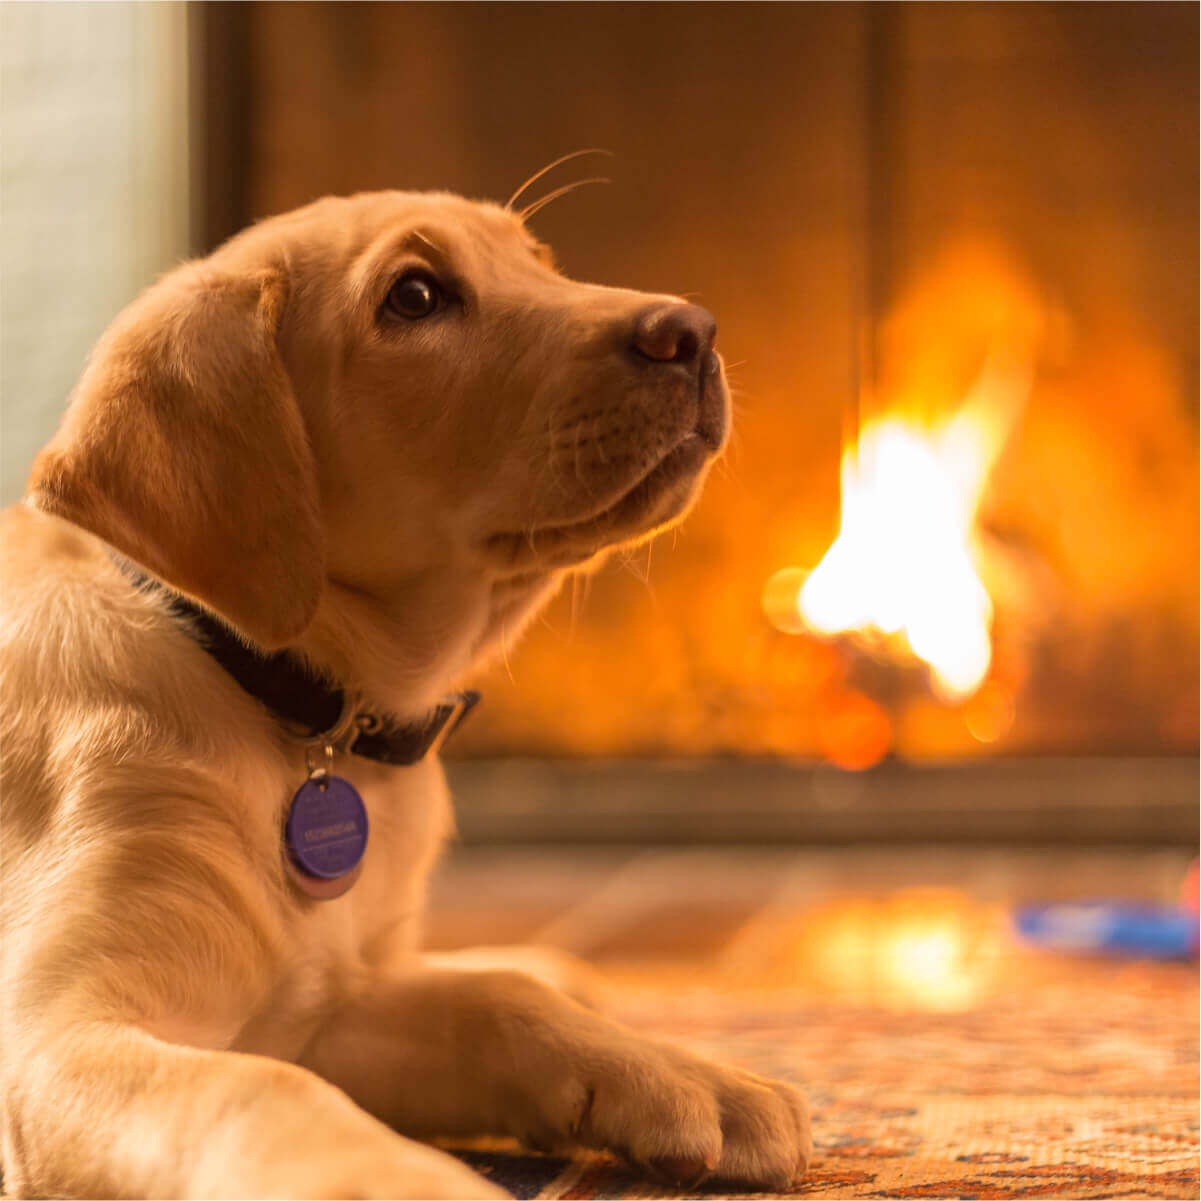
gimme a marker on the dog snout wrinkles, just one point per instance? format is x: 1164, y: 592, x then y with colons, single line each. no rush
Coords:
x: 674, y: 333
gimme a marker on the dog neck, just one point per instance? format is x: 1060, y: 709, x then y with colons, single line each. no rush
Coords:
x: 408, y: 644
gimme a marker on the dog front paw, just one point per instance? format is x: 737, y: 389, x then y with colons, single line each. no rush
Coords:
x: 684, y: 1118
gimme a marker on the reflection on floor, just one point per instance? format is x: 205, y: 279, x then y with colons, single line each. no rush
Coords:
x: 941, y: 1057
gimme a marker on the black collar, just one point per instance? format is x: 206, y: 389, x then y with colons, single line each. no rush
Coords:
x: 312, y: 708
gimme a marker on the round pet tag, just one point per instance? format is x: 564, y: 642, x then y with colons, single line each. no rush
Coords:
x: 326, y: 830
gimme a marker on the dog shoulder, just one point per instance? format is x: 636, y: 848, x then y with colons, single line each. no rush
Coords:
x: 126, y: 765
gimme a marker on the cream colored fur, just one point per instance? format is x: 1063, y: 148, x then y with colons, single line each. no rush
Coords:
x: 393, y: 499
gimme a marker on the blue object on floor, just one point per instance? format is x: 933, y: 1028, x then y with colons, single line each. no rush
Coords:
x: 1122, y: 928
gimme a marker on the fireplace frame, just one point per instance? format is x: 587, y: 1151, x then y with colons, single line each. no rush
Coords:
x: 1142, y: 801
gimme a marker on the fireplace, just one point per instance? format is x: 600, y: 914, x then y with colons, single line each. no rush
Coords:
x: 953, y: 552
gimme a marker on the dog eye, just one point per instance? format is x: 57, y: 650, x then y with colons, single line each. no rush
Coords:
x: 414, y: 295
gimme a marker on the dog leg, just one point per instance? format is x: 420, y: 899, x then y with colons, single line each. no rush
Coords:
x: 557, y: 969
x: 110, y: 1111
x: 457, y: 1053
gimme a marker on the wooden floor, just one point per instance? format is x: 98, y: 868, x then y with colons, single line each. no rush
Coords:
x: 711, y: 914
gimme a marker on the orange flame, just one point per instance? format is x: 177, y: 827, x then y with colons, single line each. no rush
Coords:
x: 905, y: 559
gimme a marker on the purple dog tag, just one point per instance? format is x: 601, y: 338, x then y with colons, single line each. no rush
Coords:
x: 326, y: 832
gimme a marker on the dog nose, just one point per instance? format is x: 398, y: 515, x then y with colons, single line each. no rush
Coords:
x: 674, y: 333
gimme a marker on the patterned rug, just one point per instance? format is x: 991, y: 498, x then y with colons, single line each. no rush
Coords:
x: 1084, y: 1084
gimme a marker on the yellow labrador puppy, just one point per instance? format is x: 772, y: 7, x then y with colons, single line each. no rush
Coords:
x: 303, y: 486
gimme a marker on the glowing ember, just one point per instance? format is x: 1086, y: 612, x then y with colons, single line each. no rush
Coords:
x: 904, y: 561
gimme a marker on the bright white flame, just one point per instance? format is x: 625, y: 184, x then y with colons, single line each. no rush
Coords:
x: 903, y: 561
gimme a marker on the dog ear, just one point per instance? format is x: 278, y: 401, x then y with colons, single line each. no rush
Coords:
x: 184, y: 448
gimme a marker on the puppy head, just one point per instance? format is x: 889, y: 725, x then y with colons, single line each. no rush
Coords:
x: 375, y: 387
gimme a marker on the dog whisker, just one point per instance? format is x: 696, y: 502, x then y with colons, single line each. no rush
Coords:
x: 423, y: 237
x: 566, y: 158
x: 576, y: 588
x: 504, y: 653
x: 538, y: 205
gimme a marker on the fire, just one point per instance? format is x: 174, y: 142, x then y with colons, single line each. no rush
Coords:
x: 905, y: 562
